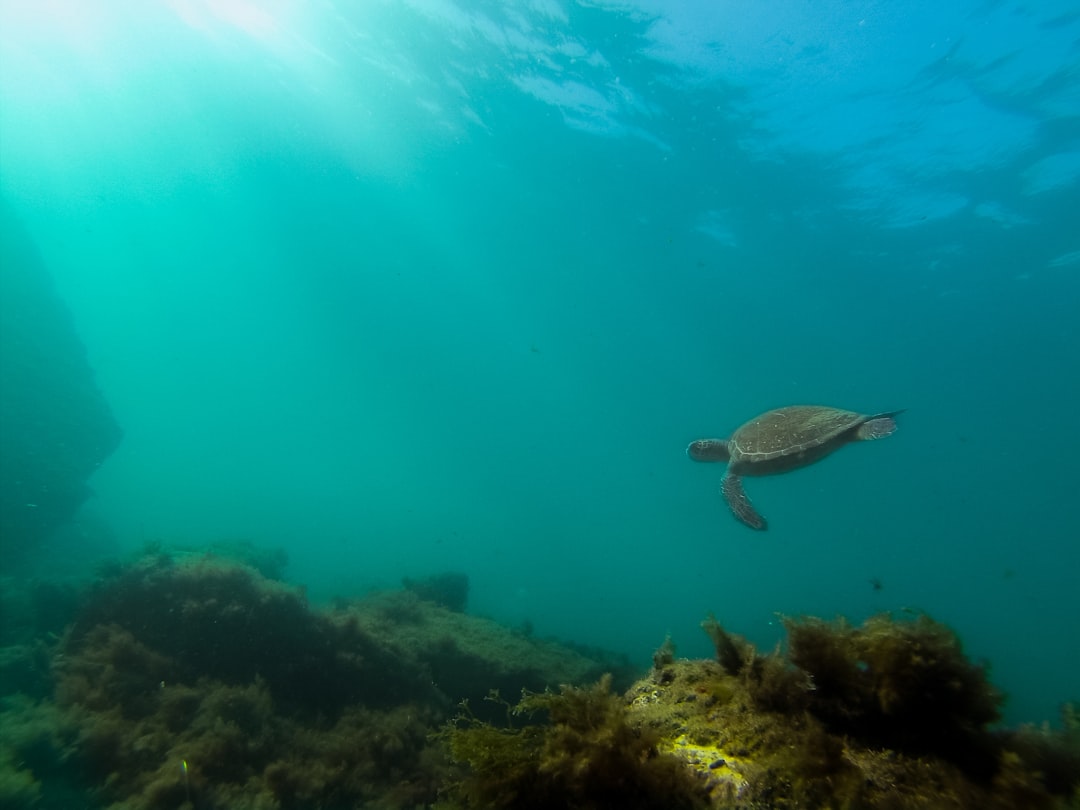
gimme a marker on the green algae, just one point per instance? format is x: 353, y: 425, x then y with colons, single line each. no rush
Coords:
x: 585, y: 755
x: 187, y: 680
x: 900, y: 684
x: 195, y: 682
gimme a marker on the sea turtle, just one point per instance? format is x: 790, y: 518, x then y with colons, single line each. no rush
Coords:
x: 782, y: 440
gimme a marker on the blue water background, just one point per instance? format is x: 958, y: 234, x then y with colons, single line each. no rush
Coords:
x: 407, y: 287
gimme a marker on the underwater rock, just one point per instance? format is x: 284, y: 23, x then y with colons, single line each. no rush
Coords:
x: 55, y: 426
x: 587, y: 755
x: 191, y: 681
x: 449, y: 590
x: 195, y: 682
x: 887, y: 715
x: 208, y: 617
x: 744, y: 733
x: 467, y: 656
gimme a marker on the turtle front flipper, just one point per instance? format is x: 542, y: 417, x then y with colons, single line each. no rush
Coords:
x: 732, y: 489
x: 709, y: 450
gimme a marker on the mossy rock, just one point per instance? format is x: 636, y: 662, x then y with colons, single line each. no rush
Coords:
x: 194, y: 681
x: 586, y: 754
x: 468, y: 656
x: 205, y: 617
x: 752, y: 757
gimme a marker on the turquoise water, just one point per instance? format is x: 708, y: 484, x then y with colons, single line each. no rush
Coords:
x: 408, y: 287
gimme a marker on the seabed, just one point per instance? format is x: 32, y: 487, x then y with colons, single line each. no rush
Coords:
x: 184, y: 681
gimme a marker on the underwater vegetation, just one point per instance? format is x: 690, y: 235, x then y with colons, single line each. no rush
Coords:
x: 586, y: 754
x: 904, y: 685
x: 887, y: 715
x: 185, y: 681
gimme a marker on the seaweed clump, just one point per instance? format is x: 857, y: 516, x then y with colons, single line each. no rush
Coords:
x: 586, y: 755
x: 904, y: 685
x: 890, y: 714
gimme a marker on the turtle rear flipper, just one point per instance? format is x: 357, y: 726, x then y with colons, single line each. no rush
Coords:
x: 709, y: 450
x: 877, y: 427
x: 733, y: 492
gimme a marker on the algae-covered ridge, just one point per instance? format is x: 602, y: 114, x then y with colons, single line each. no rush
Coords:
x: 901, y: 719
x: 194, y: 681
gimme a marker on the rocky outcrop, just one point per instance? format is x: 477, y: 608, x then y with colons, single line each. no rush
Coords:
x: 55, y: 426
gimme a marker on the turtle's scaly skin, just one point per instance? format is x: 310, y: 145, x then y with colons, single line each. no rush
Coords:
x: 782, y: 440
x: 732, y: 490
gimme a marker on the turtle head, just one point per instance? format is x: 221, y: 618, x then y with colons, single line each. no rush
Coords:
x: 708, y: 450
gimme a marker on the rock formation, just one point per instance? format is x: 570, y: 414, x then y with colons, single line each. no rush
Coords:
x: 55, y: 426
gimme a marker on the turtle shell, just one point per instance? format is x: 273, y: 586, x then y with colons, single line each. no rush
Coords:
x: 790, y: 437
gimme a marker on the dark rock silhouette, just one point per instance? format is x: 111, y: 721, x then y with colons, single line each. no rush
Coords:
x: 55, y: 426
